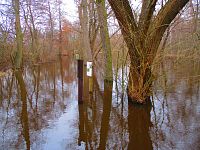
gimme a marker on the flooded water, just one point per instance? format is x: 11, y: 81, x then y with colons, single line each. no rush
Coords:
x: 39, y: 110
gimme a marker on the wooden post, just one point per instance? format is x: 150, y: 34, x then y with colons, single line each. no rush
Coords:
x: 80, y: 69
x: 90, y: 84
x: 80, y: 81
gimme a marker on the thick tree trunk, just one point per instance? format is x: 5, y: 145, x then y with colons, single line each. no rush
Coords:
x: 140, y: 82
x: 143, y: 38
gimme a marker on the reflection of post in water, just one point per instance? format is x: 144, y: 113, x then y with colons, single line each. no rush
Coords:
x: 54, y: 84
x: 1, y: 90
x: 61, y: 72
x: 24, y: 113
x: 139, y: 124
x: 81, y: 124
x: 107, y: 102
x: 37, y: 87
x: 85, y: 130
x: 82, y: 94
x: 80, y: 81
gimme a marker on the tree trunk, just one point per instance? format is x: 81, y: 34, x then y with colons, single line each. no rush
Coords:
x: 33, y: 32
x: 34, y: 38
x: 52, y: 26
x: 143, y: 38
x: 139, y: 85
x: 83, y: 16
x: 102, y: 16
x: 60, y: 29
x: 19, y: 36
x: 93, y: 25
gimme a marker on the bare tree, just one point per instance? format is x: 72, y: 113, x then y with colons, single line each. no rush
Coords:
x: 83, y: 16
x: 143, y: 37
x: 102, y: 15
x: 51, y: 25
x: 19, y: 36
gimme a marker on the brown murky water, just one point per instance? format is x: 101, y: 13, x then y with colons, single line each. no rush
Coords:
x: 39, y: 110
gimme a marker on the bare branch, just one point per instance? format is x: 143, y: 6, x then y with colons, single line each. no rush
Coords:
x: 148, y: 7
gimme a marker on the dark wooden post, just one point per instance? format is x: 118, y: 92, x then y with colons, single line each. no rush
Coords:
x: 80, y: 81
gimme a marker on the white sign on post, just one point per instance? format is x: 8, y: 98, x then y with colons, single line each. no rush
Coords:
x: 77, y: 56
x: 89, y: 68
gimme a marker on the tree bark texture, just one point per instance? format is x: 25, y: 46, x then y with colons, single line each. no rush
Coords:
x: 19, y: 36
x: 143, y: 37
x: 102, y: 16
x: 93, y: 25
x: 83, y: 16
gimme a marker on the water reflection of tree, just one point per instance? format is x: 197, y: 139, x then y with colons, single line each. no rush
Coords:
x: 104, y: 125
x: 39, y: 81
x: 24, y: 114
x: 107, y: 102
x: 34, y: 96
x: 176, y: 111
x: 139, y: 123
x: 97, y: 133
x: 176, y: 123
x: 90, y: 117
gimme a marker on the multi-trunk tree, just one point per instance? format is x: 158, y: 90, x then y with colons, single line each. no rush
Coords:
x: 143, y: 36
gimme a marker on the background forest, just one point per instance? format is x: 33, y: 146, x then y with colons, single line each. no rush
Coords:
x: 46, y: 31
x: 144, y: 51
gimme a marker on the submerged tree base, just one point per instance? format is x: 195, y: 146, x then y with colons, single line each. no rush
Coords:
x: 108, y: 81
x: 136, y: 100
